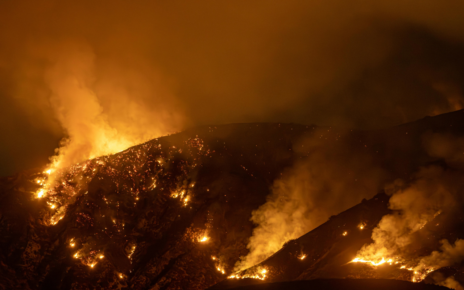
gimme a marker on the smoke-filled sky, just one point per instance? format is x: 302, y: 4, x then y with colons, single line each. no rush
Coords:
x: 104, y: 72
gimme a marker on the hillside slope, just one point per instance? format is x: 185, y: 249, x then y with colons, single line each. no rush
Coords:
x: 167, y: 214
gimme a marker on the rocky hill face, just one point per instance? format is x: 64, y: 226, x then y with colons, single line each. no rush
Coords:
x: 174, y: 213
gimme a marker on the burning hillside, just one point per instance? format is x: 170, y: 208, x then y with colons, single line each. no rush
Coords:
x: 415, y: 234
x: 174, y: 213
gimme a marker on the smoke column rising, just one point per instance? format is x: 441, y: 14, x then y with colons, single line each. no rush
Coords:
x: 332, y: 63
x: 331, y: 178
x: 102, y: 110
x: 415, y: 205
x: 433, y: 191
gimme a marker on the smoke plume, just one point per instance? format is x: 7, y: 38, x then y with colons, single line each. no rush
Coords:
x: 414, y: 205
x: 448, y: 255
x: 433, y: 191
x: 156, y: 63
x: 451, y: 283
x: 331, y: 178
x: 102, y: 107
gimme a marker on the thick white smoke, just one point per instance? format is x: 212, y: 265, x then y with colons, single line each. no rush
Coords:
x: 102, y: 107
x: 332, y: 178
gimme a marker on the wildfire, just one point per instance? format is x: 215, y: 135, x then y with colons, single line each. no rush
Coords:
x: 59, y: 186
x: 417, y: 275
x: 302, y: 257
x: 261, y: 275
x: 345, y: 233
x: 373, y: 263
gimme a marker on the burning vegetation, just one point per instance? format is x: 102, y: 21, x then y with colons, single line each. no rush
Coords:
x: 133, y: 174
x: 166, y: 206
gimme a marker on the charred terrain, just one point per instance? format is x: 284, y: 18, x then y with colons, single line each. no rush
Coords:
x: 174, y: 212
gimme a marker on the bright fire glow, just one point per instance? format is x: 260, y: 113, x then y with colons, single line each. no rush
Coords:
x: 345, y: 233
x: 302, y: 257
x: 261, y: 275
x: 373, y: 263
x: 204, y: 239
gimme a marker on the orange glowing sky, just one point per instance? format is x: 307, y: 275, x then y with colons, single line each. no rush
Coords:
x: 170, y: 65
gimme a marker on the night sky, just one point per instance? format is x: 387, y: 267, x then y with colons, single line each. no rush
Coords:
x: 93, y: 70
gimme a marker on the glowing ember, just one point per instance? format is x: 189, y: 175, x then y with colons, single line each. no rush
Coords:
x: 131, y: 252
x: 76, y: 255
x: 302, y: 257
x: 345, y: 233
x: 101, y: 257
x: 72, y: 244
x: 204, y: 239
x: 40, y: 193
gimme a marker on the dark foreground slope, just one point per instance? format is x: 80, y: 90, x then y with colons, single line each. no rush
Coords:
x: 159, y: 215
x: 340, y: 284
x: 328, y: 250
